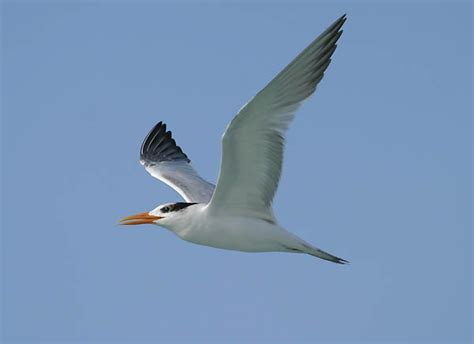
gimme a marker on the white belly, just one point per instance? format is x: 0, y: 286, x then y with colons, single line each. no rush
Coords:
x: 239, y: 233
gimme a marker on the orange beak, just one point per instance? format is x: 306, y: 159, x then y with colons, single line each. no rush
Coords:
x: 139, y: 219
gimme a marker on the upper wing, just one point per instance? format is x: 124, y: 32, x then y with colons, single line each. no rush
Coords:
x: 165, y: 160
x: 252, y: 145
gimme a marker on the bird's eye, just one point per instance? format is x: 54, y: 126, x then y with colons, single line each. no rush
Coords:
x: 165, y: 209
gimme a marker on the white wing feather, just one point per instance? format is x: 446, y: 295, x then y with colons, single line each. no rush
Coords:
x: 252, y: 145
x: 165, y: 160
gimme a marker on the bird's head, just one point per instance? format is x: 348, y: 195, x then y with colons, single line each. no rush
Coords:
x: 162, y: 215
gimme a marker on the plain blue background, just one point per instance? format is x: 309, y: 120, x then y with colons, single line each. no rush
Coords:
x: 377, y: 170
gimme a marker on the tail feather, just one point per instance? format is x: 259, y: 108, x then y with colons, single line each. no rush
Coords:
x: 316, y: 252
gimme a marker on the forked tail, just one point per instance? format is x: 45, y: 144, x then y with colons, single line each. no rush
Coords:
x: 316, y: 252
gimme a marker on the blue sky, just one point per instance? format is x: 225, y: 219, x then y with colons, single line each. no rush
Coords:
x: 377, y: 171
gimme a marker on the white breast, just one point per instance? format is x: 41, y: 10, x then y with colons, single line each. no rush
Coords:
x: 236, y: 233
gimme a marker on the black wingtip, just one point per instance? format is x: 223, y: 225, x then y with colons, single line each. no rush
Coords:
x: 341, y: 20
x: 159, y: 146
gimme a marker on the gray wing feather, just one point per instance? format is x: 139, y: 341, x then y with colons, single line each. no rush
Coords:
x: 166, y: 161
x: 252, y: 145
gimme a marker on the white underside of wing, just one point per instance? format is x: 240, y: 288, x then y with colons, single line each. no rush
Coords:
x: 182, y: 177
x: 166, y: 161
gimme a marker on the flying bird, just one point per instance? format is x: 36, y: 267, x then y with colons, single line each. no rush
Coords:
x: 236, y: 213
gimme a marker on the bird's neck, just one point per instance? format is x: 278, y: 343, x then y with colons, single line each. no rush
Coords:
x: 186, y: 220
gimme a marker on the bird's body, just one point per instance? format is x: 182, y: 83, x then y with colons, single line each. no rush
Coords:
x: 236, y: 213
x: 237, y: 233
x: 240, y: 233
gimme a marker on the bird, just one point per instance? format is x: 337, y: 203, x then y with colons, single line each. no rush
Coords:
x: 236, y: 213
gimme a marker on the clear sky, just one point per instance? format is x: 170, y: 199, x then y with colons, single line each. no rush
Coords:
x: 377, y: 171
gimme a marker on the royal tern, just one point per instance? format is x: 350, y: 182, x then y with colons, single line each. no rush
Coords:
x: 236, y: 214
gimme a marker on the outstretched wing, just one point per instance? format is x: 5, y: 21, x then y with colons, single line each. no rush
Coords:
x: 252, y: 145
x: 164, y: 160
